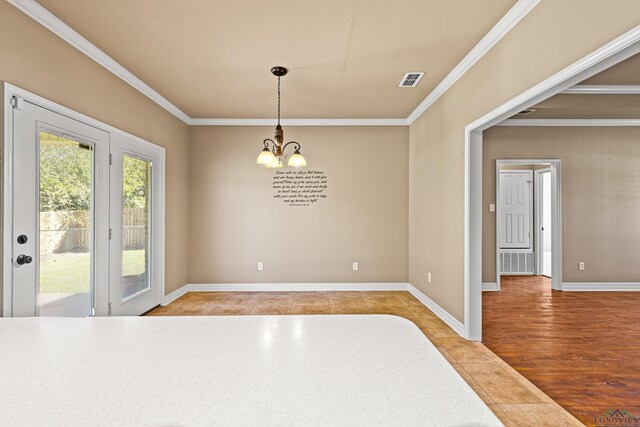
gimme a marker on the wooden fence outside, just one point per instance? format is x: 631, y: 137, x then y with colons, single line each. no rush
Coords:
x: 70, y: 231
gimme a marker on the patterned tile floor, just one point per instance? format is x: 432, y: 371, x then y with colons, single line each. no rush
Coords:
x: 513, y: 398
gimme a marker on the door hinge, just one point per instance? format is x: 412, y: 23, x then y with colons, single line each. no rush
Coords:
x: 110, y: 233
x: 109, y: 312
x: 17, y: 102
x: 110, y: 159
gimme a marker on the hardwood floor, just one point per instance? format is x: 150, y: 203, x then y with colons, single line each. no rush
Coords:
x: 580, y: 348
x: 516, y: 401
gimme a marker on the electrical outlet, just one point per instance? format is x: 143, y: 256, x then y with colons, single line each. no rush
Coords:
x: 581, y: 266
x: 492, y: 207
x: 429, y: 277
x: 355, y: 266
x: 260, y: 266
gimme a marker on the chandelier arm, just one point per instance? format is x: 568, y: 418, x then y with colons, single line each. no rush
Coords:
x: 292, y: 142
x: 266, y: 145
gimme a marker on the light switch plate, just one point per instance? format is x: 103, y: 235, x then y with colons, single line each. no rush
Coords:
x: 492, y: 207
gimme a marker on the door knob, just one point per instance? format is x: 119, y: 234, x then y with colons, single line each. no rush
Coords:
x: 22, y: 239
x: 24, y: 259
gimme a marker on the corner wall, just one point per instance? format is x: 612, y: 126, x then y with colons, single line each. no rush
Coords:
x: 33, y: 58
x: 552, y: 36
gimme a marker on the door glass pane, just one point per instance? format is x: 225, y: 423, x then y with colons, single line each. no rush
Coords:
x: 66, y: 186
x: 136, y: 225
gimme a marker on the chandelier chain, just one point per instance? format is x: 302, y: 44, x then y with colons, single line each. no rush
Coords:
x: 273, y: 153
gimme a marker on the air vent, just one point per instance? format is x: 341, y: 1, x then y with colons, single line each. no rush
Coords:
x: 526, y: 112
x: 411, y: 79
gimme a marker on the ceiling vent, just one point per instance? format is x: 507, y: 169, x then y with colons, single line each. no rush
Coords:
x: 411, y: 79
x: 526, y: 112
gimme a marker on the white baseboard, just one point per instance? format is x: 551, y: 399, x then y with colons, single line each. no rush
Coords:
x: 490, y: 287
x: 297, y: 287
x: 281, y: 287
x: 175, y: 295
x: 443, y: 314
x: 600, y: 286
x: 447, y: 318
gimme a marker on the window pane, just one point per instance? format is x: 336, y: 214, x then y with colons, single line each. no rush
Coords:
x: 136, y: 225
x: 66, y: 174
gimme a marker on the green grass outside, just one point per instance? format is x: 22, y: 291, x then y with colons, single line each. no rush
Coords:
x: 69, y: 273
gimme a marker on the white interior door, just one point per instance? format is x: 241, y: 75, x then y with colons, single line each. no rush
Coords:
x: 516, y: 193
x: 545, y: 232
x: 60, y: 198
x: 137, y: 226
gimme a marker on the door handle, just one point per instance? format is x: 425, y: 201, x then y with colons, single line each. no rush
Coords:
x: 24, y: 259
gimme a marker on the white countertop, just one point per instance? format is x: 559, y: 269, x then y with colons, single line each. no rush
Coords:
x: 242, y: 370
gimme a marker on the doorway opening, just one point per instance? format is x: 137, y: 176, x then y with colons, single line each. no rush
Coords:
x: 528, y: 206
x: 608, y: 55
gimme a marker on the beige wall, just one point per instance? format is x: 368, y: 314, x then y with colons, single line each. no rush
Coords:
x: 236, y: 222
x: 35, y: 59
x: 553, y: 35
x: 601, y: 201
x: 370, y: 197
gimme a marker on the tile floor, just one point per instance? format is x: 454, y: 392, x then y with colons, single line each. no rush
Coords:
x: 513, y: 398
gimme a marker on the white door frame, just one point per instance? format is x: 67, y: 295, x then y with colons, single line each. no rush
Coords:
x: 556, y: 215
x: 610, y: 54
x: 8, y: 92
x: 538, y: 196
x: 537, y: 219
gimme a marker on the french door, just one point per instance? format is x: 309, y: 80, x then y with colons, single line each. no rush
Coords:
x: 83, y: 219
x: 136, y: 257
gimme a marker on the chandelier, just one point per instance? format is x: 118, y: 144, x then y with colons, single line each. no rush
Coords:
x: 273, y: 154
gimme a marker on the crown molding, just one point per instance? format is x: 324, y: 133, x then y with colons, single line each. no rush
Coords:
x: 48, y: 20
x: 570, y: 122
x: 508, y: 21
x: 45, y: 18
x: 299, y: 122
x: 589, y: 65
x: 603, y: 90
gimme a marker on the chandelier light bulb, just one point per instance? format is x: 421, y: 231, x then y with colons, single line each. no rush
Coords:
x: 265, y: 157
x: 297, y: 160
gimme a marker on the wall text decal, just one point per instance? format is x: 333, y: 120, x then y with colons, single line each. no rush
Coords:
x: 300, y: 187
